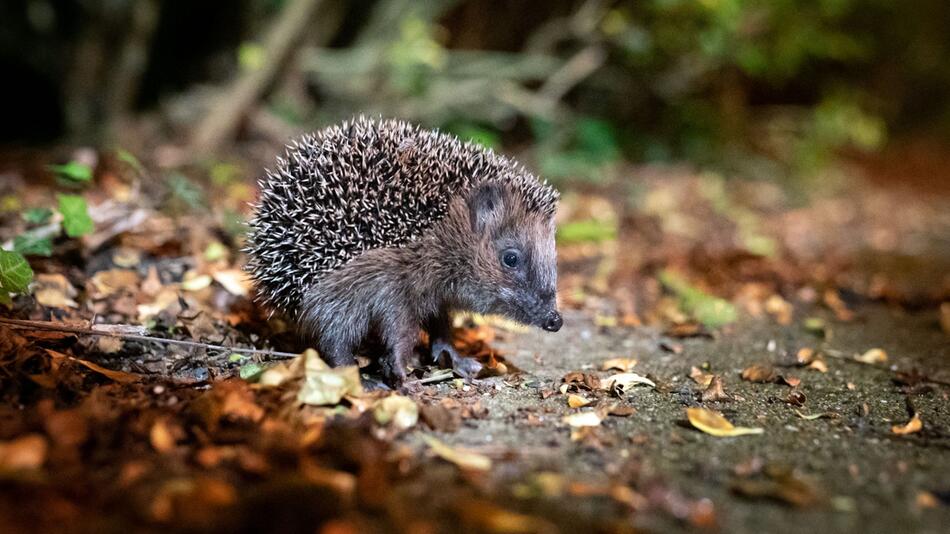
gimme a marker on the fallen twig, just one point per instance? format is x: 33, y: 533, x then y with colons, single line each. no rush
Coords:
x: 110, y: 331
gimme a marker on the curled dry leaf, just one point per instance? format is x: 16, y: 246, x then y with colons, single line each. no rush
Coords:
x: 873, y: 356
x: 715, y: 391
x: 105, y: 283
x: 713, y: 423
x: 796, y: 398
x: 465, y: 459
x: 583, y: 419
x: 576, y: 401
x: 622, y: 383
x: 819, y: 365
x: 117, y: 376
x: 619, y: 364
x: 813, y: 416
x: 401, y: 411
x: 912, y: 426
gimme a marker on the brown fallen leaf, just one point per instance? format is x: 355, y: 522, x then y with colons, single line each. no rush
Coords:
x: 441, y: 418
x: 618, y: 410
x: 23, y: 453
x: 759, y: 373
x: 779, y: 483
x: 161, y: 437
x: 713, y: 423
x: 619, y: 364
x: 234, y: 281
x: 700, y: 377
x: 715, y: 391
x: 819, y: 365
x: 779, y: 308
x: 796, y: 398
x: 106, y: 283
x: 464, y: 459
x: 117, y: 376
x: 914, y: 425
x: 833, y: 300
x: 54, y: 291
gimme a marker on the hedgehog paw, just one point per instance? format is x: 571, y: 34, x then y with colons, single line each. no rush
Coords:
x: 465, y: 367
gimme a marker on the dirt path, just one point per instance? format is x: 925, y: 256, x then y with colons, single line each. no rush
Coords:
x: 861, y: 476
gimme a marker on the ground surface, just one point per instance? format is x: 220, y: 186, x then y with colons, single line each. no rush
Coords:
x: 868, y: 477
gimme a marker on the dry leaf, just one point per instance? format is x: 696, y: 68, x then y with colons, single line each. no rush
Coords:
x: 463, y: 458
x: 701, y: 378
x: 624, y: 382
x: 235, y: 281
x: 161, y: 437
x: 576, y: 401
x: 759, y: 373
x: 25, y: 452
x: 195, y: 282
x: 819, y: 365
x: 912, y: 426
x: 812, y: 417
x: 324, y: 385
x: 715, y: 391
x: 401, y: 411
x: 873, y: 356
x: 715, y: 424
x: 118, y: 376
x: 54, y: 291
x: 109, y: 282
x: 779, y: 308
x: 620, y: 364
x: 583, y: 419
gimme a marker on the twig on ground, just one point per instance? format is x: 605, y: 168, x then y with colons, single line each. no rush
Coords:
x: 110, y: 331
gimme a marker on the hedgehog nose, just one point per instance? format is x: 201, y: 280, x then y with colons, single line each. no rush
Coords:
x: 553, y: 322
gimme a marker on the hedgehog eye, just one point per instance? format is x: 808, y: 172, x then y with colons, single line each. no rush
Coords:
x: 510, y: 258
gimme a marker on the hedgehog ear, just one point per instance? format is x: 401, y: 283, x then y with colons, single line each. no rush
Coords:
x: 486, y: 205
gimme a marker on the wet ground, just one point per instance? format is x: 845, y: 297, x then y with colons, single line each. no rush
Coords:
x: 853, y: 471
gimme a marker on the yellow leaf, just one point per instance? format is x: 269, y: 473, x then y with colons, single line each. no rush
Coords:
x: 460, y: 457
x: 914, y: 425
x: 583, y: 419
x: 576, y: 401
x: 401, y: 411
x: 715, y: 424
x: 324, y: 385
x: 872, y: 356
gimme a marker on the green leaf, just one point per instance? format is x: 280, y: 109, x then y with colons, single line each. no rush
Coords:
x: 37, y: 215
x: 76, y: 220
x: 251, y: 372
x: 129, y: 159
x: 587, y: 231
x: 73, y: 172
x: 15, y: 272
x: 705, y: 308
x: 30, y: 244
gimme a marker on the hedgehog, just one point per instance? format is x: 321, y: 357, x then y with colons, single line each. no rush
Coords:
x: 372, y: 230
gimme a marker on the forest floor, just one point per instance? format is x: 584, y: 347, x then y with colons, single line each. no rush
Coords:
x: 818, y: 325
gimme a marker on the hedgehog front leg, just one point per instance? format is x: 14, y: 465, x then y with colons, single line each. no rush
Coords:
x: 440, y: 343
x: 399, y: 334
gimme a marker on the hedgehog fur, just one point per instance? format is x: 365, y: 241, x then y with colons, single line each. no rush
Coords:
x: 361, y: 185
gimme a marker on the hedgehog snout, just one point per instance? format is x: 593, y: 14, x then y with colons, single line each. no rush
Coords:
x: 553, y: 322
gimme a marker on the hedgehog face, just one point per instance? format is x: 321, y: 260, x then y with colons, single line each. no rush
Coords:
x: 515, y: 261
